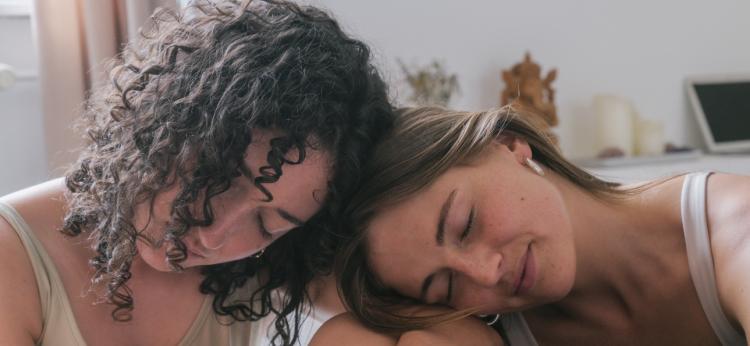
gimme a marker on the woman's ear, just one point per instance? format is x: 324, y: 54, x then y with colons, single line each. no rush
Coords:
x: 518, y: 146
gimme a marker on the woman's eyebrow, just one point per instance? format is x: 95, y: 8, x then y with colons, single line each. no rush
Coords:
x: 440, y: 234
x: 439, y: 239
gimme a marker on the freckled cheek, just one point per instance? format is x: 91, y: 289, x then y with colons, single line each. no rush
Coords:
x: 497, y: 226
x: 501, y: 215
x: 528, y: 212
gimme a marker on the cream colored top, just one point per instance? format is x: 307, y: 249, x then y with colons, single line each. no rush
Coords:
x: 59, y: 324
x: 700, y: 262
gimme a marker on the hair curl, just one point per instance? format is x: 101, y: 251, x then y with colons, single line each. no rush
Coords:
x: 179, y: 110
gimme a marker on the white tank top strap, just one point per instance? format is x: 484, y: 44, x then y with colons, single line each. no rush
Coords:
x: 700, y: 259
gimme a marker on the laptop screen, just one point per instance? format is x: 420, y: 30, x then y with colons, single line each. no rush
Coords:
x: 727, y: 109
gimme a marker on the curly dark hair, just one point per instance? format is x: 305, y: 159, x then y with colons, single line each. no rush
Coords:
x: 179, y: 110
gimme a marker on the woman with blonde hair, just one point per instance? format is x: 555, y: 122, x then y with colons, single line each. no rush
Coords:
x: 479, y: 212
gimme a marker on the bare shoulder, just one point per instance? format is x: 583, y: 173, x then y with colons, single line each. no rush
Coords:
x: 20, y: 308
x: 728, y: 189
x: 728, y: 209
x: 42, y: 207
x: 344, y: 329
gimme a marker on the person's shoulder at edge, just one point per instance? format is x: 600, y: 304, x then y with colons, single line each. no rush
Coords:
x: 728, y: 209
x: 20, y: 308
x: 20, y: 304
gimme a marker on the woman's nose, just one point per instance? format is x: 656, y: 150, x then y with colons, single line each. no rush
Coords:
x: 225, y: 222
x: 212, y: 237
x: 481, y: 265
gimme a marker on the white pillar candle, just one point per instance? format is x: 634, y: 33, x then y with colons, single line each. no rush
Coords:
x: 649, y: 137
x: 615, y: 123
x: 7, y: 76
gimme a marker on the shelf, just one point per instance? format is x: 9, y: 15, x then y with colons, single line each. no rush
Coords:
x: 641, y: 160
x: 648, y: 170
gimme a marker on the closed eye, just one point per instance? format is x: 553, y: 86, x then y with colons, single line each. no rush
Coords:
x: 469, y: 225
x: 464, y: 234
x: 449, y: 296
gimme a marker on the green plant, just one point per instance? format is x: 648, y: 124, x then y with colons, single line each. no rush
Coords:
x: 431, y: 85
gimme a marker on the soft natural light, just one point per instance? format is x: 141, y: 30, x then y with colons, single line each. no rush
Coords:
x: 15, y: 2
x: 15, y: 7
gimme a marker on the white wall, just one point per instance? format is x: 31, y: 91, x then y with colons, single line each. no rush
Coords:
x: 22, y: 151
x: 639, y: 49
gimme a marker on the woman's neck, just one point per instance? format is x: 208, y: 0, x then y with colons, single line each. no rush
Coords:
x: 623, y: 248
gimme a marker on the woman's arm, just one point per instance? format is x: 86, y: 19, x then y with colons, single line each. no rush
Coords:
x: 344, y: 329
x: 466, y: 331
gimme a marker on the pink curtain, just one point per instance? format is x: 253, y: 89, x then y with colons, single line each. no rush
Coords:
x: 74, y: 39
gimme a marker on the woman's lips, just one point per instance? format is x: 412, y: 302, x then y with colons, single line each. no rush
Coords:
x: 527, y: 275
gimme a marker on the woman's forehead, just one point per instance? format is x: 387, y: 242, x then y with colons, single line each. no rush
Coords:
x: 408, y: 220
x: 397, y: 244
x: 257, y: 152
x: 432, y: 195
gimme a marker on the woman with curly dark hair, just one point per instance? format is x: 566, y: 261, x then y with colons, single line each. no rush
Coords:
x: 225, y: 127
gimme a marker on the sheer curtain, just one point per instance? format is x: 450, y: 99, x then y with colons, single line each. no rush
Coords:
x: 74, y: 39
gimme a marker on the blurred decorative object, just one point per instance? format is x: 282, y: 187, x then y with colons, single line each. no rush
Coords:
x: 610, y: 152
x: 671, y: 148
x: 525, y: 89
x: 622, y: 132
x: 615, y: 121
x: 649, y: 137
x: 431, y: 85
x: 7, y: 76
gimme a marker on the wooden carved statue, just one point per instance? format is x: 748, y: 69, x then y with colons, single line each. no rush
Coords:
x: 525, y: 88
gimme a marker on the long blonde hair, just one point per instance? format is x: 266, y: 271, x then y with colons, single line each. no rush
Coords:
x: 424, y: 144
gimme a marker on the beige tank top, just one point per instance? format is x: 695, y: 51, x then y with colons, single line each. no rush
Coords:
x: 59, y: 325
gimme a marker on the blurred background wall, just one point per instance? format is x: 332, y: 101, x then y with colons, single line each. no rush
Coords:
x: 23, y: 157
x: 637, y: 49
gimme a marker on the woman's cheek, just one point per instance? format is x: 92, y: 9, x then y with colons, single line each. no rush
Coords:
x: 471, y: 298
